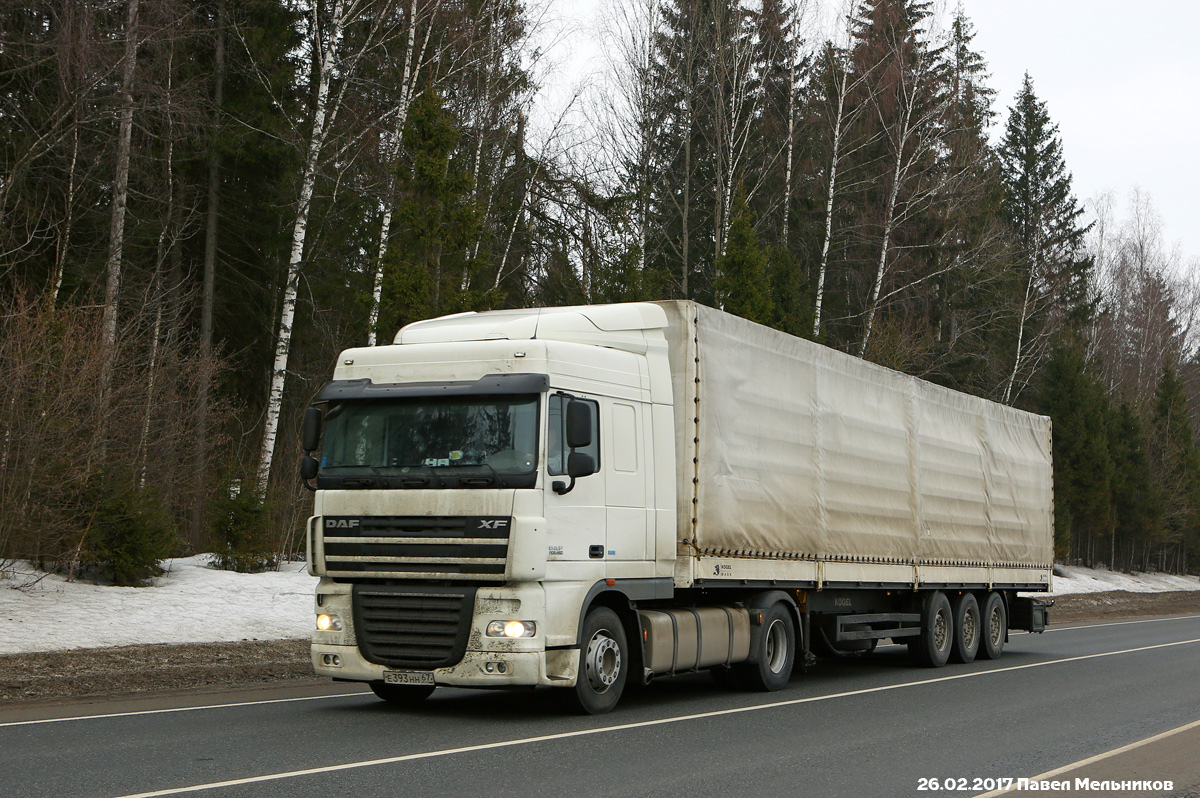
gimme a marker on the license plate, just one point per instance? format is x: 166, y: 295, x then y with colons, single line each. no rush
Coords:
x: 408, y: 677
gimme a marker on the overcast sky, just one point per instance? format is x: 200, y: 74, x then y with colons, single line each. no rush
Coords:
x: 1120, y: 78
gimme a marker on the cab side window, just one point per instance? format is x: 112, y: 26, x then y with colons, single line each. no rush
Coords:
x: 556, y: 440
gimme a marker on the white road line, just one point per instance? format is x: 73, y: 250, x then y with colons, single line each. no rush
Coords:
x: 343, y: 695
x: 180, y: 709
x: 1124, y: 623
x: 1049, y: 774
x: 638, y: 725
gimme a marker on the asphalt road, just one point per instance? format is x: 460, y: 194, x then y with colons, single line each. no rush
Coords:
x: 874, y: 726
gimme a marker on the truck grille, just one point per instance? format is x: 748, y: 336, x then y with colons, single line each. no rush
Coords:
x: 413, y: 627
x: 470, y: 548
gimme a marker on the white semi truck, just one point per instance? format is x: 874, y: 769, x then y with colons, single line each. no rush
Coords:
x: 582, y: 497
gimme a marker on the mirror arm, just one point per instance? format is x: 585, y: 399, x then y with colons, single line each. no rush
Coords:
x: 561, y: 487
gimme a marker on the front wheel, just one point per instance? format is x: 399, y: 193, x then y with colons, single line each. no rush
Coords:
x: 775, y: 653
x: 403, y: 695
x: 603, y: 663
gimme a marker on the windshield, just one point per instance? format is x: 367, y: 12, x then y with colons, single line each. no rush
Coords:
x: 476, y: 441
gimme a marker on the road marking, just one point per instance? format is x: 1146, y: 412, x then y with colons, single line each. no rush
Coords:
x: 344, y: 695
x: 1049, y: 774
x: 181, y: 709
x: 1124, y: 623
x: 626, y: 726
x: 1089, y: 626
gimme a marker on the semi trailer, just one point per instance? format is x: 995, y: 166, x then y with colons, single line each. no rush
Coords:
x: 585, y: 497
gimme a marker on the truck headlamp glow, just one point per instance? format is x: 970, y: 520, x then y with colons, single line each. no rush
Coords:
x: 511, y: 629
x: 329, y: 623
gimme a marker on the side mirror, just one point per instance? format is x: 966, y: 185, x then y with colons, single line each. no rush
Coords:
x: 309, y: 467
x: 308, y: 470
x: 579, y: 424
x: 310, y: 438
x: 579, y: 464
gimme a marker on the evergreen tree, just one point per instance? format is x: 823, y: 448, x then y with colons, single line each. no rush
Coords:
x: 424, y: 275
x: 1176, y: 463
x: 1137, y: 501
x: 1046, y: 220
x: 972, y: 255
x: 743, y: 284
x: 1075, y: 401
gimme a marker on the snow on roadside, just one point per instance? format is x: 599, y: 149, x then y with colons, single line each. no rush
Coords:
x: 194, y: 603
x: 191, y: 603
x: 1092, y: 580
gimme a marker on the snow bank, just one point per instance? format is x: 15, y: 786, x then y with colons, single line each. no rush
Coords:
x: 1091, y: 580
x: 194, y: 603
x: 191, y: 603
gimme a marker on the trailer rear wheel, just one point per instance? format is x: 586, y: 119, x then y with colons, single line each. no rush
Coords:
x: 966, y: 628
x: 603, y: 663
x: 402, y: 695
x: 994, y: 627
x: 774, y: 653
x: 932, y: 647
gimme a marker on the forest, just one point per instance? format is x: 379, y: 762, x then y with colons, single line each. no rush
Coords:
x: 203, y: 201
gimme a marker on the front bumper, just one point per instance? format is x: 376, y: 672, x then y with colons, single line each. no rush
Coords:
x: 554, y: 668
x: 526, y: 660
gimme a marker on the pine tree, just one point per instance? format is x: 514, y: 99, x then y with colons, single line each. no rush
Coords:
x: 1075, y: 401
x: 1046, y: 220
x: 742, y: 279
x: 436, y: 218
x: 1137, y: 501
x: 1176, y: 463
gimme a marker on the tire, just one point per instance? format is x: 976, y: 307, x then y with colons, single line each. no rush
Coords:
x: 931, y: 648
x: 993, y: 627
x: 603, y: 664
x: 774, y: 653
x: 402, y: 695
x: 967, y: 628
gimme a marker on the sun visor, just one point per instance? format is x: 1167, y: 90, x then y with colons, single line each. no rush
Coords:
x: 489, y: 385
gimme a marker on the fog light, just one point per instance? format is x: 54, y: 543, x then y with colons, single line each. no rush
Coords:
x: 511, y: 629
x: 495, y: 667
x: 329, y: 623
x: 331, y: 660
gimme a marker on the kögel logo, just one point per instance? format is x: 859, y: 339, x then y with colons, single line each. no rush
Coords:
x: 497, y: 524
x: 341, y: 523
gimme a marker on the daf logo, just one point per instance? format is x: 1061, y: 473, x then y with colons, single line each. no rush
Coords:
x: 497, y: 524
x: 341, y: 523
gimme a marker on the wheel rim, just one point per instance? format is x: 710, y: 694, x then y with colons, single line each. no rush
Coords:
x: 776, y: 642
x: 603, y: 663
x: 941, y: 630
x: 969, y: 630
x: 994, y: 627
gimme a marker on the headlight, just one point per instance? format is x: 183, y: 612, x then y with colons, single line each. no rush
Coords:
x: 511, y: 629
x: 329, y: 623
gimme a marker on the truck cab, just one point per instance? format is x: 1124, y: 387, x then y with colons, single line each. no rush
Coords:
x: 453, y: 543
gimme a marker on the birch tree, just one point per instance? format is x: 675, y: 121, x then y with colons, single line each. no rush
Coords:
x: 120, y: 197
x: 334, y: 61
